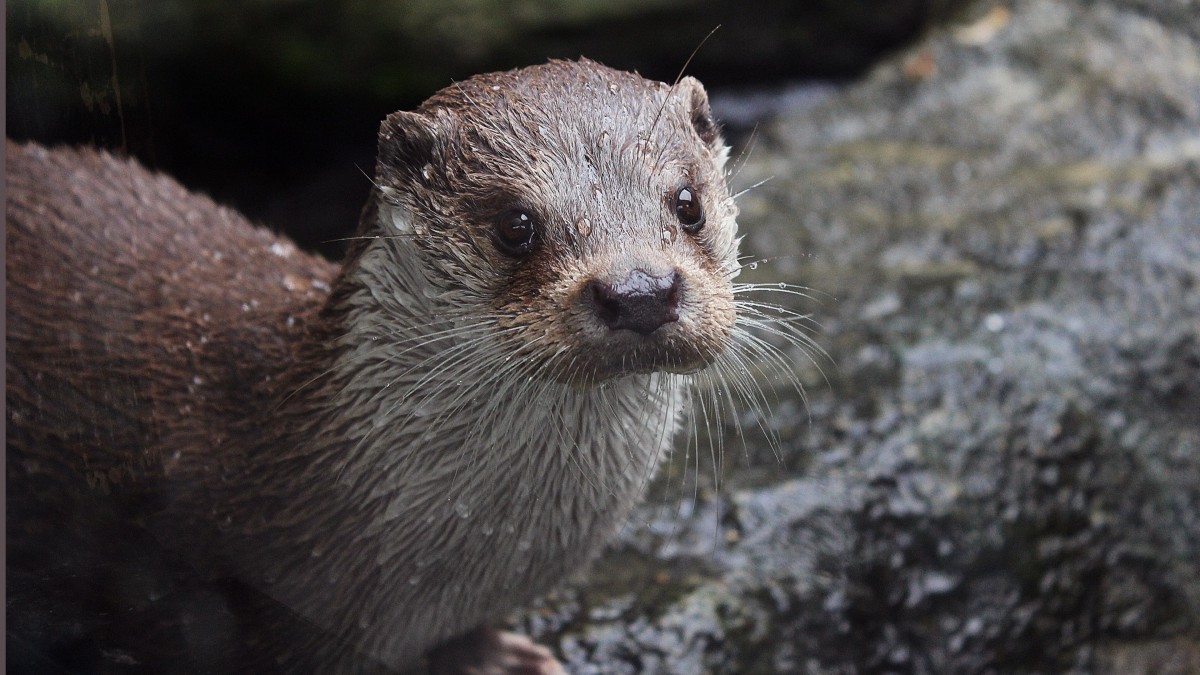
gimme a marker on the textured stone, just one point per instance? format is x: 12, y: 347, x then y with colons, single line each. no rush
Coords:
x: 1002, y: 226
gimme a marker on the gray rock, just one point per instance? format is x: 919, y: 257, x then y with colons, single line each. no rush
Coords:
x: 1003, y: 472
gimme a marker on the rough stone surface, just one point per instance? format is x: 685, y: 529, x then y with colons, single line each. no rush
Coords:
x: 1002, y: 471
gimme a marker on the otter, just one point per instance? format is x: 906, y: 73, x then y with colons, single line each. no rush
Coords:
x: 251, y: 459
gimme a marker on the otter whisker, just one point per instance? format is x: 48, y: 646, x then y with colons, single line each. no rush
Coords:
x: 743, y: 157
x: 737, y: 195
x: 747, y: 387
x: 387, y: 416
x: 789, y: 289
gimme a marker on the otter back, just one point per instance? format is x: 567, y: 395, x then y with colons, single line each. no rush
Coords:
x: 128, y: 304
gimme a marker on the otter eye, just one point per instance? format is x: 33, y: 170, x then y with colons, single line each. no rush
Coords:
x: 515, y: 232
x: 689, y: 210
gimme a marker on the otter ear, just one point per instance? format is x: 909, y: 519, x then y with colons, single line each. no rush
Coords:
x: 407, y: 142
x: 700, y: 113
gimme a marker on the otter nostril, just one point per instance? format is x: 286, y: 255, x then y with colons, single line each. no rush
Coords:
x: 639, y: 302
x: 605, y: 303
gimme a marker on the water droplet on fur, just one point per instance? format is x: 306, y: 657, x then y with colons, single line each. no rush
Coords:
x: 426, y: 171
x: 414, y: 580
x: 488, y: 530
x: 782, y: 285
x: 613, y: 88
x: 753, y: 266
x: 669, y: 233
x: 524, y: 545
x: 462, y: 510
x: 584, y: 226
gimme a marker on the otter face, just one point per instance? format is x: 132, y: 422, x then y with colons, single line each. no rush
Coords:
x: 583, y: 209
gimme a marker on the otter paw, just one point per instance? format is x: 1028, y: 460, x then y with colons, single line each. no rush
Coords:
x: 490, y: 652
x: 518, y: 655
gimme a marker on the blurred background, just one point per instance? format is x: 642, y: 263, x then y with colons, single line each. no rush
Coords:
x: 272, y: 106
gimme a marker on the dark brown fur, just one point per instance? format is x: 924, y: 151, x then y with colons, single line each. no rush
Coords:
x: 119, y: 370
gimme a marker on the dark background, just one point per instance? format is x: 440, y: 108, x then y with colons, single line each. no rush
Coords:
x: 272, y: 106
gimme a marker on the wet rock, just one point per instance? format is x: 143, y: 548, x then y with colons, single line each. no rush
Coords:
x: 1003, y: 473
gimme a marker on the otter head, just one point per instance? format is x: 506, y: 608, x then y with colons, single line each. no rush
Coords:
x: 583, y: 210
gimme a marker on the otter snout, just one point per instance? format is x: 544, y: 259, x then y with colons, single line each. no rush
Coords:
x: 640, y: 302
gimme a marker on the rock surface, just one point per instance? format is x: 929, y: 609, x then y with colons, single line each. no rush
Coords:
x: 1002, y: 472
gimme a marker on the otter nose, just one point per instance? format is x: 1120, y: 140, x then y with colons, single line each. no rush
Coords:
x: 639, y: 302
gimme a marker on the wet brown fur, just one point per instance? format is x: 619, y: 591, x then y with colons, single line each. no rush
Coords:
x: 170, y: 365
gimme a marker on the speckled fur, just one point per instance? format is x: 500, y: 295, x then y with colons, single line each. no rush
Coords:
x: 406, y: 449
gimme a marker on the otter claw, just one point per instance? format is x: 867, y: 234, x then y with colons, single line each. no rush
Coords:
x: 504, y: 654
x: 520, y: 655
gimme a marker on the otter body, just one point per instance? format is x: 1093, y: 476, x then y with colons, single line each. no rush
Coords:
x: 374, y: 461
